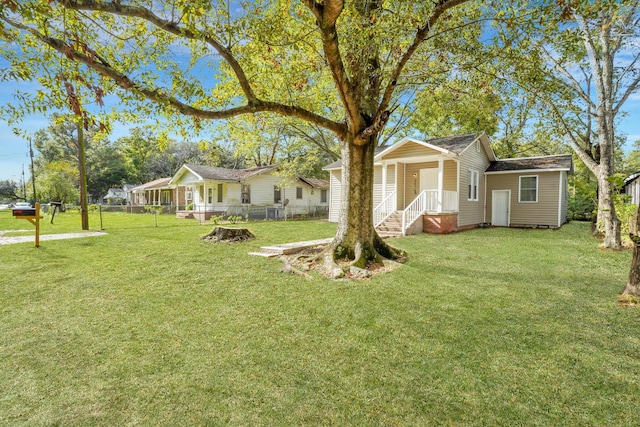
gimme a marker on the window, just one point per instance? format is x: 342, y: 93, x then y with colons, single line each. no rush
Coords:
x: 210, y: 195
x: 323, y: 196
x: 298, y: 192
x: 189, y: 193
x: 246, y: 194
x: 277, y: 194
x: 220, y: 193
x: 528, y: 189
x: 472, y: 194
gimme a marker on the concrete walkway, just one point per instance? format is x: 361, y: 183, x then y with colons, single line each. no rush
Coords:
x: 6, y: 240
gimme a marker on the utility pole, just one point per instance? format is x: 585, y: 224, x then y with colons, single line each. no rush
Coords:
x: 82, y: 169
x: 24, y: 185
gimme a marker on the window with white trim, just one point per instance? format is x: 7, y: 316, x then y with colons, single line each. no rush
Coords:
x: 210, y: 195
x: 298, y: 192
x: 277, y: 194
x: 474, y: 179
x: 246, y: 194
x: 528, y: 192
x: 323, y: 196
x: 220, y: 193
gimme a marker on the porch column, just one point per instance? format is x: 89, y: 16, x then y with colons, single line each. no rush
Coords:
x: 384, y: 180
x: 440, y: 183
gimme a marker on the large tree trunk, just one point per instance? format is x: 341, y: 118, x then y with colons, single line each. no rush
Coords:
x: 356, y: 238
x: 633, y: 285
x: 608, y: 220
x: 606, y: 206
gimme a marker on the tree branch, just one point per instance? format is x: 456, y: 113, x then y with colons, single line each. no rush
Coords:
x: 326, y: 16
x: 160, y: 97
x: 573, y: 83
x: 440, y: 7
x: 117, y: 8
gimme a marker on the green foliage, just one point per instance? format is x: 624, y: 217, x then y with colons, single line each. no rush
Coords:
x: 9, y: 189
x: 216, y: 219
x: 233, y: 219
x: 155, y: 210
x: 57, y: 181
x: 626, y: 213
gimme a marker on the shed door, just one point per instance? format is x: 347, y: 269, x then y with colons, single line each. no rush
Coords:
x: 500, y: 200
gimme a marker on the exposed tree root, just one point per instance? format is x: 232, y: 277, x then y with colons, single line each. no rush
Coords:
x: 334, y: 262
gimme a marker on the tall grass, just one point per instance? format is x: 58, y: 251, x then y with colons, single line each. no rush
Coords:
x: 152, y: 326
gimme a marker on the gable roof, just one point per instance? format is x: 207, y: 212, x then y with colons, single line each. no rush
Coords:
x: 562, y: 162
x: 315, y: 183
x: 453, y: 145
x: 221, y: 174
x: 631, y: 177
x: 155, y: 184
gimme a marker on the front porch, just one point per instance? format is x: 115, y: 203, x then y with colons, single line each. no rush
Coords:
x: 438, y: 210
x: 432, y: 211
x: 410, y: 187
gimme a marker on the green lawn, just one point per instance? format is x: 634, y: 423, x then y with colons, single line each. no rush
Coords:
x: 152, y: 326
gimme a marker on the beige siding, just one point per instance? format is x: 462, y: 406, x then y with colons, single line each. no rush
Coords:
x: 450, y: 175
x: 377, y: 185
x: 410, y: 149
x: 400, y: 174
x: 564, y: 205
x: 335, y: 185
x: 472, y: 212
x: 542, y: 212
x: 391, y: 179
x: 411, y: 188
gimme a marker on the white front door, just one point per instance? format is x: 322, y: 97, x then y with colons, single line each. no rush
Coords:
x: 500, y: 201
x: 428, y: 179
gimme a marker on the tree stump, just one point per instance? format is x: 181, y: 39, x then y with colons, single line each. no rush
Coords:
x: 220, y: 234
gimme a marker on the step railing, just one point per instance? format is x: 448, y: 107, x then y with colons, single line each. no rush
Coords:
x: 414, y: 211
x: 384, y: 209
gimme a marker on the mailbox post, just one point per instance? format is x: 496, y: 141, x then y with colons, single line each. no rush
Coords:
x: 33, y: 216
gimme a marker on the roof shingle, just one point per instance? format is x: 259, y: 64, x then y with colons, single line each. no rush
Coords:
x: 560, y: 162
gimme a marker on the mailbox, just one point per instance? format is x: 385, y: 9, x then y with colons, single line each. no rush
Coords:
x: 24, y: 212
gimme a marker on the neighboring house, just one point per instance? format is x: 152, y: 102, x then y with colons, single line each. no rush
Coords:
x: 257, y: 192
x: 158, y: 192
x: 632, y: 187
x: 115, y: 196
x: 454, y: 183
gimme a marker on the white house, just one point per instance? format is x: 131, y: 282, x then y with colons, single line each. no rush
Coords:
x: 257, y: 192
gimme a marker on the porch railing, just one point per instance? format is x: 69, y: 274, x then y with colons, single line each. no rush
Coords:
x: 415, y: 210
x: 427, y: 201
x: 449, y: 201
x: 384, y: 209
